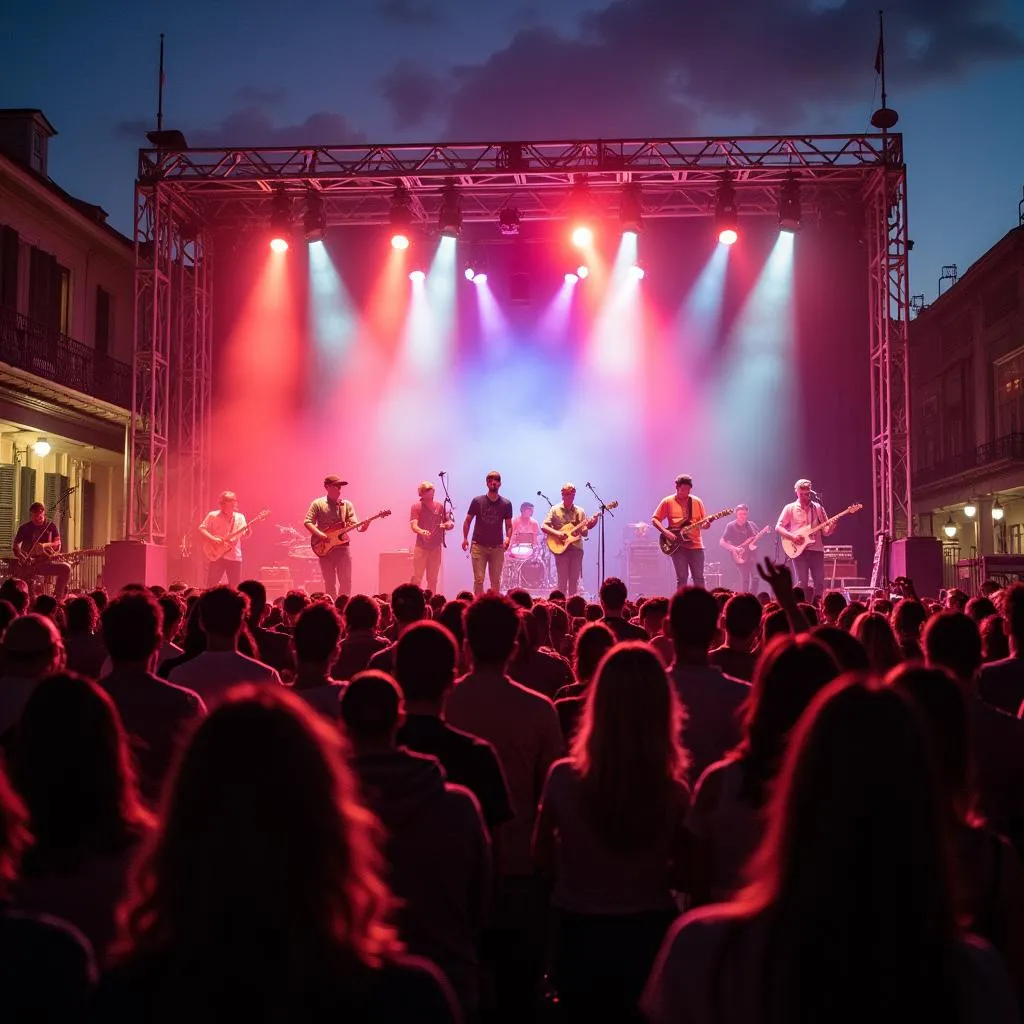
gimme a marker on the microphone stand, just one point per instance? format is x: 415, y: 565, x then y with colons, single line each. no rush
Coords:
x: 541, y: 494
x: 449, y: 508
x: 602, y: 509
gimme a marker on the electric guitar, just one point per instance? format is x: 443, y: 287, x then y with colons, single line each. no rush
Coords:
x: 669, y: 544
x: 338, y: 533
x: 793, y: 549
x: 570, y: 533
x: 746, y: 549
x: 220, y: 547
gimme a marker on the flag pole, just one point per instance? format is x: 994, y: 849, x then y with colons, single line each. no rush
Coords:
x: 160, y: 90
x: 879, y: 60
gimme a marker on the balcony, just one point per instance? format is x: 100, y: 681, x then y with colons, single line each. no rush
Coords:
x: 31, y: 347
x: 997, y: 454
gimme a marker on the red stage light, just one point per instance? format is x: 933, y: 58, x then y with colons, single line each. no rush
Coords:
x: 279, y: 244
x: 727, y: 236
x: 582, y: 236
x: 399, y: 241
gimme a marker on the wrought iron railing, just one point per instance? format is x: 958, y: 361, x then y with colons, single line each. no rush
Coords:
x: 1008, y: 448
x: 38, y: 349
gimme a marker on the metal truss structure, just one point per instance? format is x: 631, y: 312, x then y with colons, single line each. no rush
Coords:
x: 182, y: 195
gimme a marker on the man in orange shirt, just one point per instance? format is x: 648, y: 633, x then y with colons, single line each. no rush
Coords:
x: 676, y: 510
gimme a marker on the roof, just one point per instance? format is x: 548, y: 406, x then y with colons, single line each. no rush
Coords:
x: 12, y: 113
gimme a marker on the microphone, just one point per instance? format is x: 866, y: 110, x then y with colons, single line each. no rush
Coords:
x: 539, y: 495
x: 442, y: 473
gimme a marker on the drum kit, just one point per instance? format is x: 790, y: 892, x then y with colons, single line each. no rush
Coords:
x: 527, y: 567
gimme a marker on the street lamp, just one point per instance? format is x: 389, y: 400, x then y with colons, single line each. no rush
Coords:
x: 950, y: 528
x: 998, y: 511
x: 970, y: 509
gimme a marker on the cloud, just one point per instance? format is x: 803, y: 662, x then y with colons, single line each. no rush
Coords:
x: 414, y: 94
x: 412, y: 13
x: 261, y: 96
x: 640, y: 67
x: 253, y: 126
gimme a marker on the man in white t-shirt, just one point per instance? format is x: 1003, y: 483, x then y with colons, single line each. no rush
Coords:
x: 224, y: 557
x: 221, y: 666
x: 806, y: 511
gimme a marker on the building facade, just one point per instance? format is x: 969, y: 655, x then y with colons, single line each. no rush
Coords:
x: 66, y: 309
x: 967, y: 412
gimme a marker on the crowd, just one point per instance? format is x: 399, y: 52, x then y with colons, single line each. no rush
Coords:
x: 718, y: 807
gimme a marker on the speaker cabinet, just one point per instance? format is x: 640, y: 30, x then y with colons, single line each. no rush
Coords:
x: 649, y: 572
x: 919, y: 559
x: 134, y: 561
x: 277, y: 579
x: 394, y: 568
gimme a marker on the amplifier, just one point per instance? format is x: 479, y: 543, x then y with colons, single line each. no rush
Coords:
x: 277, y: 579
x: 393, y: 569
x: 649, y: 571
x: 839, y: 552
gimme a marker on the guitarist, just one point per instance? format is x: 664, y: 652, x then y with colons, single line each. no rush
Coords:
x: 810, y: 563
x: 676, y: 510
x: 34, y: 546
x: 739, y: 532
x: 336, y: 565
x: 428, y: 521
x: 569, y: 564
x: 217, y: 525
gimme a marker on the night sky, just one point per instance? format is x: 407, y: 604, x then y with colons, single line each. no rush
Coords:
x: 430, y: 70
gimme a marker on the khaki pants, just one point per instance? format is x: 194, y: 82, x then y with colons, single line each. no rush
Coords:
x: 491, y: 560
x: 426, y: 560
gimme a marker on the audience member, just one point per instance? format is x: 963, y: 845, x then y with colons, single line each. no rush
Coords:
x: 84, y: 649
x: 156, y: 714
x: 437, y: 850
x: 610, y: 833
x: 1001, y: 683
x: 742, y: 622
x: 832, y: 604
x: 726, y: 818
x: 46, y: 965
x: 15, y: 590
x: 593, y: 642
x: 908, y: 618
x: 274, y: 649
x: 538, y: 669
x: 261, y: 899
x: 30, y: 649
x: 711, y: 699
x: 872, y: 629
x: 213, y: 672
x: 613, y: 601
x: 849, y: 915
x: 979, y: 609
x: 995, y: 644
x: 846, y: 649
x: 425, y: 665
x: 72, y: 767
x: 315, y: 642
x: 408, y: 605
x: 850, y: 614
x: 653, y: 616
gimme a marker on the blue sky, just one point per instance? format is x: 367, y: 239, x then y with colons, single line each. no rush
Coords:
x: 423, y: 70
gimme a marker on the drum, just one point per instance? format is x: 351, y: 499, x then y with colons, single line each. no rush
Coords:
x: 521, y: 552
x: 533, y: 573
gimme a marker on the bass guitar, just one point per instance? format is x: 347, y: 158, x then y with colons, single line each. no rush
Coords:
x: 338, y: 533
x: 746, y: 549
x: 220, y: 547
x: 570, y: 533
x: 805, y: 533
x: 670, y: 543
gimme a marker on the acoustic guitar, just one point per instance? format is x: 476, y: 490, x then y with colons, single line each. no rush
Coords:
x: 219, y: 548
x: 746, y: 549
x: 669, y: 544
x: 337, y: 534
x: 571, y: 532
x: 793, y: 549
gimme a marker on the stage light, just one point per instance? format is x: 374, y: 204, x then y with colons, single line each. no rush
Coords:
x: 417, y: 275
x: 280, y: 221
x: 401, y: 218
x: 449, y: 216
x: 571, y: 278
x: 726, y: 226
x: 480, y: 278
x: 582, y: 236
x: 789, y: 205
x: 581, y: 214
x: 637, y: 272
x: 508, y: 221
x: 950, y: 528
x: 314, y: 219
x: 998, y: 511
x: 631, y: 210
x: 970, y: 509
x: 583, y: 271
x: 42, y: 448
x: 470, y: 273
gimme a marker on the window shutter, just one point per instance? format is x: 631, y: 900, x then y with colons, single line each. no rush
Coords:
x: 8, y: 474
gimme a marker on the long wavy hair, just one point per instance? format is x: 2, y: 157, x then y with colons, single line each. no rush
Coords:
x: 627, y: 750
x: 265, y: 874
x: 854, y: 873
x: 790, y: 672
x: 873, y: 630
x: 72, y: 766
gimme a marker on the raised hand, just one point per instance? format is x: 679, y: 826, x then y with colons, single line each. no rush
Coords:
x: 779, y: 578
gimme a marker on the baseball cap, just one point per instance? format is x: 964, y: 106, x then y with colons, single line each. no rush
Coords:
x: 334, y: 481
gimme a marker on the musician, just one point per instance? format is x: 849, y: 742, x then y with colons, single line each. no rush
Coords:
x: 806, y: 511
x: 525, y: 529
x: 332, y: 510
x: 218, y: 524
x: 35, y: 544
x: 736, y: 534
x: 675, y: 510
x: 568, y: 564
x: 490, y: 510
x: 428, y: 521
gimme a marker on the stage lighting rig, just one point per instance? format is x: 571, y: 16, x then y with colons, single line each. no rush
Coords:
x: 631, y: 210
x: 449, y: 216
x: 401, y: 218
x: 726, y: 221
x: 280, y: 221
x: 314, y: 219
x: 789, y: 205
x: 582, y: 213
x: 508, y: 221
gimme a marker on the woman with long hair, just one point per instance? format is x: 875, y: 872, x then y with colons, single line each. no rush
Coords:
x: 610, y: 835
x: 726, y: 820
x: 593, y: 642
x: 872, y: 629
x: 989, y: 875
x: 260, y: 898
x: 849, y: 914
x: 72, y: 766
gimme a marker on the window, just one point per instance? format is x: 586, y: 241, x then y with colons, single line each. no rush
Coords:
x: 37, y: 163
x: 1009, y: 396
x: 954, y: 411
x: 64, y: 300
x: 927, y: 452
x: 101, y: 335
